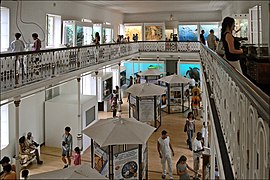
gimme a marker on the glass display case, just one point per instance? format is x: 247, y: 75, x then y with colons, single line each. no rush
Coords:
x: 208, y: 27
x: 107, y: 34
x: 77, y: 33
x: 241, y: 24
x: 133, y: 29
x: 188, y: 32
x: 97, y: 28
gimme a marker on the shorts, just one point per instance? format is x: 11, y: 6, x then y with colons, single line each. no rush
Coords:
x: 65, y: 153
x: 195, y: 107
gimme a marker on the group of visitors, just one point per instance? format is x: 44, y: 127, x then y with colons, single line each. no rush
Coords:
x: 67, y: 143
x: 229, y: 46
x: 166, y: 152
x: 18, y: 45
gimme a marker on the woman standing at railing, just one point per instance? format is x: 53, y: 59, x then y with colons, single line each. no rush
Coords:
x: 231, y: 45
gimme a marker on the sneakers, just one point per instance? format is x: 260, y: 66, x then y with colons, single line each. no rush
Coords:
x: 66, y: 166
x: 40, y: 162
x: 163, y: 176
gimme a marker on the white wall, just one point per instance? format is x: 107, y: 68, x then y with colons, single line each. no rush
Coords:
x: 31, y: 119
x: 36, y: 11
x: 214, y: 16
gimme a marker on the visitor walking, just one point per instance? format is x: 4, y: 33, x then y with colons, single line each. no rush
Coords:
x: 166, y: 152
x: 212, y: 40
x: 202, y: 39
x: 67, y: 147
x: 190, y: 129
x: 197, y: 152
x: 37, y: 42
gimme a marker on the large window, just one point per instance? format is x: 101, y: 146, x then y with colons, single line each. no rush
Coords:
x: 4, y: 29
x: 4, y: 125
x: 53, y: 30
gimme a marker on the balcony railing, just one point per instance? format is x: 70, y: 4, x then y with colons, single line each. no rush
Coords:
x: 24, y: 68
x: 241, y: 111
x: 241, y: 115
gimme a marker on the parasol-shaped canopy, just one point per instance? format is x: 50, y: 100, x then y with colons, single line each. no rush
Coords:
x: 175, y: 79
x: 74, y: 172
x: 146, y: 89
x: 117, y: 131
x: 151, y: 72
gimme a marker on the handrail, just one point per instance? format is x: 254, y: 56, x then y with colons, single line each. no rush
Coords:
x: 6, y: 54
x: 256, y: 96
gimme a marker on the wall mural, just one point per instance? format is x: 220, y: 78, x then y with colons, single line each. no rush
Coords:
x: 130, y: 30
x: 190, y: 71
x: 153, y: 33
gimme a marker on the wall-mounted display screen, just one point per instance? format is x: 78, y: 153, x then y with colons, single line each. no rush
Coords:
x: 188, y: 32
x: 190, y: 71
x: 90, y: 115
x: 107, y: 87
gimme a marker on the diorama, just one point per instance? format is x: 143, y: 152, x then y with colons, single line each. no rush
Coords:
x: 190, y: 71
x: 77, y: 33
x: 154, y: 32
x: 133, y: 29
x: 188, y: 32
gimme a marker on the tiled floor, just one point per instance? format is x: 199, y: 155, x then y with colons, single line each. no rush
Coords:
x: 174, y: 125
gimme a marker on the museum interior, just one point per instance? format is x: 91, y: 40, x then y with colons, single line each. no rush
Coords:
x: 119, y: 73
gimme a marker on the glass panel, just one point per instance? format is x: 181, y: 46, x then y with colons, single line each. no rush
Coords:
x: 208, y: 27
x: 87, y: 31
x: 188, y: 32
x: 80, y: 36
x: 50, y: 28
x: 69, y: 34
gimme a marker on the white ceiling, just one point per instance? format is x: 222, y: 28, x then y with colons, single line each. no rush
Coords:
x: 133, y: 7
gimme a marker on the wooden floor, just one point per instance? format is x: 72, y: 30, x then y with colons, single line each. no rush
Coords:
x: 172, y: 123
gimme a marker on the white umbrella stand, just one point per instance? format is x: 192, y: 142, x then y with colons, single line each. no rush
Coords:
x: 144, y: 103
x: 176, y: 83
x: 119, y: 131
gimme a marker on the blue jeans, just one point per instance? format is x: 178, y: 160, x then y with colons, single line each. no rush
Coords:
x: 190, y: 135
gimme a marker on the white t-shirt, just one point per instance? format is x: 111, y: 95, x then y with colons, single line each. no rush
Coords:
x: 203, y: 131
x: 197, y: 145
x: 17, y: 46
x: 192, y: 82
x: 211, y: 41
x: 165, y: 146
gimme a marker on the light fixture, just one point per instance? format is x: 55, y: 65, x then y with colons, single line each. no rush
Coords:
x: 171, y: 17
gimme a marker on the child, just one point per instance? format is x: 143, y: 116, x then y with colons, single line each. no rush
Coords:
x: 77, y: 157
x: 181, y: 167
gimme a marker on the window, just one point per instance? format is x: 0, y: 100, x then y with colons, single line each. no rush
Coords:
x: 4, y: 29
x: 53, y: 30
x: 4, y: 125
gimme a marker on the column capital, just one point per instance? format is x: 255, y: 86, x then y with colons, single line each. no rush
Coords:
x: 96, y: 72
x: 78, y: 79
x: 17, y: 102
x: 119, y: 64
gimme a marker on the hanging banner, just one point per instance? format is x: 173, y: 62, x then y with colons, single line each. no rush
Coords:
x: 101, y: 160
x: 126, y: 165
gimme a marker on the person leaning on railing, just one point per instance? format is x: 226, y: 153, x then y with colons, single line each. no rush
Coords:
x: 231, y: 45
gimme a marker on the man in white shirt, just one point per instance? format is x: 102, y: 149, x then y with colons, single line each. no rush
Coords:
x: 211, y: 40
x: 165, y: 151
x: 17, y: 45
x: 197, y: 152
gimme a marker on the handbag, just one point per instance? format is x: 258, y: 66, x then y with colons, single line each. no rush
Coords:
x: 185, y: 128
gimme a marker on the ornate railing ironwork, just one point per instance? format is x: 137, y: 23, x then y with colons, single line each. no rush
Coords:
x: 243, y: 113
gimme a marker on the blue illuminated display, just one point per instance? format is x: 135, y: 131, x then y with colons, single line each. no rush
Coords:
x: 190, y: 70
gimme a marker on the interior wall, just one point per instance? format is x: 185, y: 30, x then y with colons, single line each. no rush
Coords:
x: 214, y: 16
x: 36, y: 11
x: 31, y: 119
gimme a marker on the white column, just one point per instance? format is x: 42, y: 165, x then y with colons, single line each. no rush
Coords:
x: 205, y: 114
x: 97, y: 87
x: 79, y: 134
x: 119, y: 85
x: 17, y: 101
x: 212, y: 152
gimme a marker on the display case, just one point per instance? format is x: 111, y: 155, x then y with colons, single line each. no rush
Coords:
x: 154, y: 32
x: 255, y: 26
x: 241, y: 24
x: 97, y: 28
x: 131, y: 29
x: 77, y: 33
x: 107, y: 34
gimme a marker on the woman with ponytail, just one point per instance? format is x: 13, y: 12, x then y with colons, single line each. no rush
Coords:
x: 231, y: 45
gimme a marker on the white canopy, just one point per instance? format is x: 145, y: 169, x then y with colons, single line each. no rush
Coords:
x: 151, y: 72
x: 75, y: 172
x: 175, y: 79
x: 146, y: 89
x: 117, y: 131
